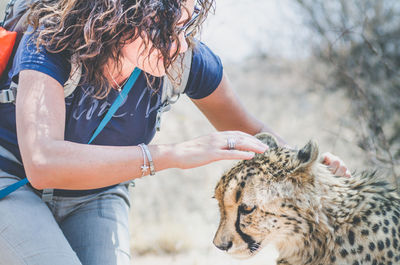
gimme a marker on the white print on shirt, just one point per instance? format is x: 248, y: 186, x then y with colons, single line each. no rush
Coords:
x: 148, y: 109
x: 93, y: 106
x: 103, y: 107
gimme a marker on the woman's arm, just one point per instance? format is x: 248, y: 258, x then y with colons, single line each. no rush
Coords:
x: 52, y: 162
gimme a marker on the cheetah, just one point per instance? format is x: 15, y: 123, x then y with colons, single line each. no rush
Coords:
x: 289, y: 199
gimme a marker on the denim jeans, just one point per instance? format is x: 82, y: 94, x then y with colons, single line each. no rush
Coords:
x: 88, y: 230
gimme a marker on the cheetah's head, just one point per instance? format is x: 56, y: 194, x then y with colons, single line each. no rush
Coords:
x: 265, y: 200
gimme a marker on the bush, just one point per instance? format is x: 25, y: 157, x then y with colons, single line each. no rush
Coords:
x: 361, y: 40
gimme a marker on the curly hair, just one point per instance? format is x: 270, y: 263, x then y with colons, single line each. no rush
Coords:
x: 96, y: 30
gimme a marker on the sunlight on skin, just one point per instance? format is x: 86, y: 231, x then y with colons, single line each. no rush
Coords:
x: 42, y: 130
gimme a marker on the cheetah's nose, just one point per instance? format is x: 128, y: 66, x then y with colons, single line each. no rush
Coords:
x: 224, y: 246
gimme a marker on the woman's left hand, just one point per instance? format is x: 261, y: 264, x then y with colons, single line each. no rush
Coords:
x: 335, y: 165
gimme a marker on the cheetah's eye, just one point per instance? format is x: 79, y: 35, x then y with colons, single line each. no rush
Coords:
x: 245, y: 209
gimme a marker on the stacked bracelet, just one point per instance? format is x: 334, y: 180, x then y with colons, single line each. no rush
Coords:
x: 147, y: 151
x: 144, y: 167
x: 146, y: 154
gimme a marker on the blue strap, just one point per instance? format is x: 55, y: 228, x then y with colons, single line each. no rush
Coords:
x: 117, y: 103
x: 13, y: 187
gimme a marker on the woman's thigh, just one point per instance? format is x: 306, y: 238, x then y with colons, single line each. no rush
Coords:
x: 98, y: 229
x: 29, y: 233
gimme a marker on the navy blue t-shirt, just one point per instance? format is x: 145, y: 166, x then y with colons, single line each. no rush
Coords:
x: 133, y: 123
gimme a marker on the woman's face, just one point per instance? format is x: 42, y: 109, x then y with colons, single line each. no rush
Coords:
x: 136, y: 53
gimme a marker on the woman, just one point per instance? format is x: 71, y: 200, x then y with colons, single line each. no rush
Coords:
x: 85, y: 220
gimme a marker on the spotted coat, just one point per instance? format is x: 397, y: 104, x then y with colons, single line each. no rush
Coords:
x: 288, y: 199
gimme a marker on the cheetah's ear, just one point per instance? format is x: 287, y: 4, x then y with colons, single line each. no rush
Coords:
x: 307, y: 155
x: 267, y: 139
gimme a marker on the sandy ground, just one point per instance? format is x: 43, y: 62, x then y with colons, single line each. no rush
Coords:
x: 173, y: 215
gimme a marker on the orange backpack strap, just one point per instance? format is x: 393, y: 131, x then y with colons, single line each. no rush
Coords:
x: 7, y: 41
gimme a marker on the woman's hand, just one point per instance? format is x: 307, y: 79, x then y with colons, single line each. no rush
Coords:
x: 213, y: 147
x: 335, y: 165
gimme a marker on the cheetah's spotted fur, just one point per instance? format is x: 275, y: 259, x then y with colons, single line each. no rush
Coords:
x: 287, y: 198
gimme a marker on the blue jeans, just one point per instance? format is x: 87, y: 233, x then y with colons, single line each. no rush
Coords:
x: 88, y: 230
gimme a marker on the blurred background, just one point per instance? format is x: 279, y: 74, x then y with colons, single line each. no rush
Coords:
x: 327, y: 70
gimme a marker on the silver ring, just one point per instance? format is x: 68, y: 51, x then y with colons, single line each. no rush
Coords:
x: 231, y: 143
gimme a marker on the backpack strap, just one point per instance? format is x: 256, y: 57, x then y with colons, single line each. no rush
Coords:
x: 170, y: 93
x: 74, y: 76
x: 9, y: 95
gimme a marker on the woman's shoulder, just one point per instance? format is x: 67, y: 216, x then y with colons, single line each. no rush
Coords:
x: 201, y: 52
x: 205, y: 73
x: 30, y: 56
